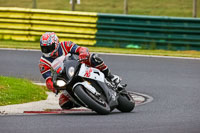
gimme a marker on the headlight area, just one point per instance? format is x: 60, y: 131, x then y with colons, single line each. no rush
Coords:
x: 60, y: 83
x: 71, y: 71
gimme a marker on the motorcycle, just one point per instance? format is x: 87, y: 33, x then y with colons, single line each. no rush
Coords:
x: 88, y: 87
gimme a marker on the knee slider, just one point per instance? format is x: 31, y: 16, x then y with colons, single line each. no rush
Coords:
x: 67, y: 105
x: 97, y: 59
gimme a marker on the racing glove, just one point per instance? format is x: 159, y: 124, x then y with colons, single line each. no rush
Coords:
x: 83, y: 53
x: 49, y: 84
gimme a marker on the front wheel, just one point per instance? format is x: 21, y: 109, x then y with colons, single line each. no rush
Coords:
x: 126, y: 103
x: 93, y: 102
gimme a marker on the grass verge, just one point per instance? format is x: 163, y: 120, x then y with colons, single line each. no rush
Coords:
x: 35, y: 45
x: 16, y: 91
x: 182, y: 8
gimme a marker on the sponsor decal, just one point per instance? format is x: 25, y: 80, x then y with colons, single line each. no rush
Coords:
x: 88, y: 72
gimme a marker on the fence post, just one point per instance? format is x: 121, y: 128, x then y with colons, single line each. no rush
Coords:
x: 194, y: 8
x: 125, y: 6
x: 73, y: 5
x: 34, y: 3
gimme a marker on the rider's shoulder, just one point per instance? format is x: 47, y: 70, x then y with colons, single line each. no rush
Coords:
x: 46, y: 59
x: 67, y: 43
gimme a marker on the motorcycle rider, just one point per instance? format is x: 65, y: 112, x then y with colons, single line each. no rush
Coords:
x: 52, y: 48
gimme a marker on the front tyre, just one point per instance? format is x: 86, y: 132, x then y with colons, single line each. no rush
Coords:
x: 126, y: 103
x: 93, y: 102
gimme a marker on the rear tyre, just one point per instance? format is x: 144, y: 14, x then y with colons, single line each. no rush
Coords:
x: 126, y: 103
x: 93, y: 102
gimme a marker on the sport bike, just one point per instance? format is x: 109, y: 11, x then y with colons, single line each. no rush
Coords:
x: 88, y: 87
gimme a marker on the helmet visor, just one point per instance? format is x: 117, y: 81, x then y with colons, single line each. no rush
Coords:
x: 48, y: 49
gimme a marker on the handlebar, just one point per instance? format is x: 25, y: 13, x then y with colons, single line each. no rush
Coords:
x: 80, y: 60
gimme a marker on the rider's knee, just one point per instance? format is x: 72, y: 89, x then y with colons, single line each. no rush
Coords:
x: 96, y: 60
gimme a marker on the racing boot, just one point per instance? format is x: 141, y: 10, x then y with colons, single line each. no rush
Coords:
x: 115, y: 79
x: 98, y: 63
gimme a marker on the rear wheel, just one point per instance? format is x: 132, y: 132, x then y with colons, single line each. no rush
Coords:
x: 126, y: 103
x: 94, y: 102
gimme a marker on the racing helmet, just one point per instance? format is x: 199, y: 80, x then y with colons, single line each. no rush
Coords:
x: 49, y: 44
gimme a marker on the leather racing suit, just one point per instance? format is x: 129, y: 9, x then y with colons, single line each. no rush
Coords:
x: 64, y: 48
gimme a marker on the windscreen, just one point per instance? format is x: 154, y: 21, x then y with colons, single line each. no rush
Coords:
x: 57, y: 65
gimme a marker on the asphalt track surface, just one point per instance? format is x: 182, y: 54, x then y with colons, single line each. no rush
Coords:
x: 173, y: 83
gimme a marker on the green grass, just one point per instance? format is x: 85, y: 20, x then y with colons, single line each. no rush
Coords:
x: 35, y: 45
x: 181, y: 8
x: 16, y: 91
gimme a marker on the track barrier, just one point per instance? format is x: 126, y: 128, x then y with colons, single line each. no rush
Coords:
x: 96, y: 29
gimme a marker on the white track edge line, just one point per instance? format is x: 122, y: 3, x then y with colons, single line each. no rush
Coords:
x: 136, y: 55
